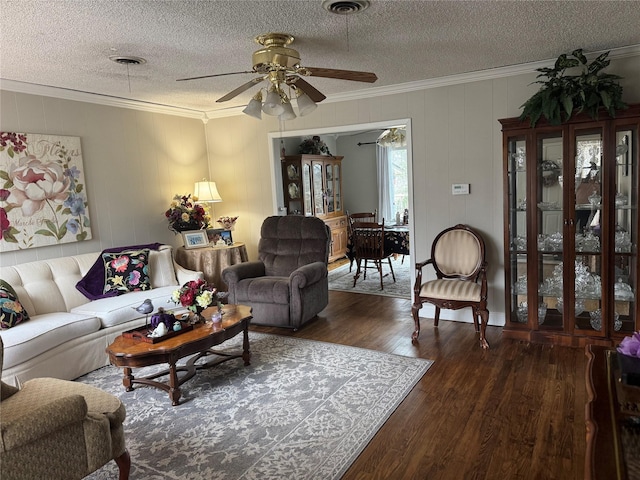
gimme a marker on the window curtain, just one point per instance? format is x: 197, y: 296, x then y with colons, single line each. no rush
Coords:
x: 385, y: 185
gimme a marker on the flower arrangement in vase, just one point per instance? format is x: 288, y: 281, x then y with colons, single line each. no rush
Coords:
x: 228, y: 223
x: 195, y: 296
x: 184, y: 214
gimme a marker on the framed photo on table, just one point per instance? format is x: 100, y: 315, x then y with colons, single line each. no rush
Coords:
x: 226, y: 236
x: 195, y: 239
x: 213, y: 235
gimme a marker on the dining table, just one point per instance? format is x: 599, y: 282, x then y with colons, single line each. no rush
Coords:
x: 396, y: 241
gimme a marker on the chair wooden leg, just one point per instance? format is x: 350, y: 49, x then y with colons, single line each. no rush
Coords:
x: 391, y: 268
x: 476, y: 316
x: 379, y: 266
x: 484, y: 316
x: 124, y: 465
x: 357, y: 275
x: 415, y: 308
x: 436, y: 319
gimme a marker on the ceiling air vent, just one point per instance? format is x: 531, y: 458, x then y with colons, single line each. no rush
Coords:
x: 345, y: 7
x: 127, y: 60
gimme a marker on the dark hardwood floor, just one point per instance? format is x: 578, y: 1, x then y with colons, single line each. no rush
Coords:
x: 515, y: 411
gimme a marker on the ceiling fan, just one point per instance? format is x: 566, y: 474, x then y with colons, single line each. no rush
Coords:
x: 279, y: 64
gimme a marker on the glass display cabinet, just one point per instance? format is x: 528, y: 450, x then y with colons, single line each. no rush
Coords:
x: 571, y: 229
x: 312, y: 186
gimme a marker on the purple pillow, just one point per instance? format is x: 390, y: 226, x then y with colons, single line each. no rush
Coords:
x: 92, y: 284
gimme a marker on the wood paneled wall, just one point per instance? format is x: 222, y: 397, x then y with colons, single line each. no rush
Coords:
x: 134, y: 163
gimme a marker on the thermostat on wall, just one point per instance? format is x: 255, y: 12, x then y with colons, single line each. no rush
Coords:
x: 460, y: 189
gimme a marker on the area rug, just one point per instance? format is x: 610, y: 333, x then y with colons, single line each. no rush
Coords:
x: 302, y: 410
x: 341, y: 279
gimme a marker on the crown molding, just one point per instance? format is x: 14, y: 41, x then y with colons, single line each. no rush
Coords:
x: 480, y: 75
x: 108, y: 100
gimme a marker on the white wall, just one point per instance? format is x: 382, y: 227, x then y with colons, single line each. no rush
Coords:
x: 359, y: 175
x: 456, y: 138
x: 134, y: 163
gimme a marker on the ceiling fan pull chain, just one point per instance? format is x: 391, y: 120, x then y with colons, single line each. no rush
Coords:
x: 346, y: 19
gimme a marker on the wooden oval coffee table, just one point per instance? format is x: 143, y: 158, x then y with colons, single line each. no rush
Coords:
x: 135, y: 353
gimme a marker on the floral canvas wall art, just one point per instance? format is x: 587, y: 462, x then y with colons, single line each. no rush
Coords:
x: 43, y: 199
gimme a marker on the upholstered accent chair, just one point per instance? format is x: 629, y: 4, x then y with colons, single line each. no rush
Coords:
x: 58, y: 429
x: 288, y: 284
x: 458, y: 258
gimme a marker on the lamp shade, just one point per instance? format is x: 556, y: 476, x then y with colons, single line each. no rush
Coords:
x: 206, y: 192
x: 272, y: 104
x: 288, y: 113
x: 305, y: 104
x: 254, y: 109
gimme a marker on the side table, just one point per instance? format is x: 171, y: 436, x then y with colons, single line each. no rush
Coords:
x: 212, y: 261
x: 612, y: 419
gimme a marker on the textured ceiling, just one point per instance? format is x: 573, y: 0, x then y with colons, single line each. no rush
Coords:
x: 66, y: 43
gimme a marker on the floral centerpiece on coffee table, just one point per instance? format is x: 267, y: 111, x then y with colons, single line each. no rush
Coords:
x: 184, y: 214
x: 195, y: 296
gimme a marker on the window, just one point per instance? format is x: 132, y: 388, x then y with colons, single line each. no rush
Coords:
x: 393, y: 178
x: 399, y: 181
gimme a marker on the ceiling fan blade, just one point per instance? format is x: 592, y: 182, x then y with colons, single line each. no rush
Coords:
x: 240, y: 89
x: 214, y: 75
x: 343, y: 74
x: 306, y: 87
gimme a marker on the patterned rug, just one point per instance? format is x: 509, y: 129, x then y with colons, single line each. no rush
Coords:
x: 341, y: 279
x: 302, y: 410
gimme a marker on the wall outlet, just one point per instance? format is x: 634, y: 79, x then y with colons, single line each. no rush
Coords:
x: 460, y: 188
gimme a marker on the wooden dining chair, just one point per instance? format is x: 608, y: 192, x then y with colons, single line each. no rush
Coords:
x: 368, y: 239
x: 355, y: 218
x: 458, y: 257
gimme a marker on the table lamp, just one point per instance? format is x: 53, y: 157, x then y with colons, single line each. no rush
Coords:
x: 207, y: 193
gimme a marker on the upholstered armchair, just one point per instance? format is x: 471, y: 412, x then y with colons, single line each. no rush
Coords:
x: 458, y: 258
x: 57, y: 429
x: 288, y: 284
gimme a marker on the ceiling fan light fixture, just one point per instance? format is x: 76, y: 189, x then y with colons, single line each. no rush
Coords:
x: 394, y: 137
x: 288, y: 113
x: 305, y: 104
x: 254, y: 107
x: 273, y: 103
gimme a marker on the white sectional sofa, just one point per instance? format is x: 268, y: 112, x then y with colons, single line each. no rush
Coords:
x: 67, y: 333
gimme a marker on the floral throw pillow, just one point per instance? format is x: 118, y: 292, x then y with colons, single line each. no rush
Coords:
x: 11, y: 310
x: 126, y: 271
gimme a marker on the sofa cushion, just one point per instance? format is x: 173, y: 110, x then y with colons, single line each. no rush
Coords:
x: 126, y: 271
x: 116, y: 310
x: 11, y: 310
x: 44, y: 332
x: 161, y: 270
x: 91, y: 283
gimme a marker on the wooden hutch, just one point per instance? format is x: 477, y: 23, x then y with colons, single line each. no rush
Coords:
x: 312, y: 186
x: 571, y: 229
